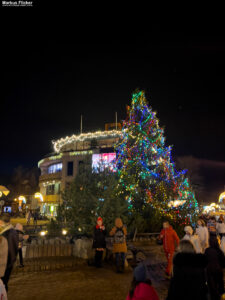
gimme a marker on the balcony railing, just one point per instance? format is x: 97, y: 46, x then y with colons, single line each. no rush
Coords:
x: 52, y: 176
x: 51, y: 199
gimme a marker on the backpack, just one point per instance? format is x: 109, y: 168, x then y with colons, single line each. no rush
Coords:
x: 119, y: 237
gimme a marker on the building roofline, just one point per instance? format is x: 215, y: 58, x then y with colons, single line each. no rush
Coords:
x: 58, y: 144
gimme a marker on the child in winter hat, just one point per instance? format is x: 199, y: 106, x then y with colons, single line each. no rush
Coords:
x: 141, y: 287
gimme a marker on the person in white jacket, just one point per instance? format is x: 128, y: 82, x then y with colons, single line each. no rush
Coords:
x: 203, y: 234
x: 194, y: 239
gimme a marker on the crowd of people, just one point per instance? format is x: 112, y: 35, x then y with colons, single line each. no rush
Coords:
x: 195, y: 268
x: 195, y: 263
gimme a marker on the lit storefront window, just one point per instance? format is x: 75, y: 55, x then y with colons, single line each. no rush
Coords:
x: 55, y: 168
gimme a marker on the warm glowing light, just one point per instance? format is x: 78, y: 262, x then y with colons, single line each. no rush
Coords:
x: 85, y: 136
x: 79, y: 229
x: 4, y: 190
x: 64, y: 232
x: 38, y: 196
x: 43, y: 232
x: 22, y: 199
x: 0, y: 194
x: 176, y: 203
x: 214, y: 205
x: 222, y: 197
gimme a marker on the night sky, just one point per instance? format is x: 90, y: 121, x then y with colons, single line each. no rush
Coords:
x: 50, y: 79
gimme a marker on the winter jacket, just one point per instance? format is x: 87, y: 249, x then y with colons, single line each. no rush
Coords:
x: 188, y: 281
x: 216, y: 263
x: 170, y: 237
x: 13, y: 241
x: 215, y: 257
x: 99, y: 238
x: 3, y: 255
x: 203, y: 235
x: 194, y: 239
x: 20, y: 238
x: 220, y: 228
x: 144, y: 291
x: 211, y: 227
x: 117, y: 248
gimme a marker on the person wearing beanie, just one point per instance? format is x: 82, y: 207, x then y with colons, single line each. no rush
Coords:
x: 194, y: 239
x: 119, y: 233
x: 99, y: 243
x: 141, y: 288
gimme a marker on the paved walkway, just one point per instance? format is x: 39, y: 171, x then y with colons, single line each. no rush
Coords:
x: 68, y: 278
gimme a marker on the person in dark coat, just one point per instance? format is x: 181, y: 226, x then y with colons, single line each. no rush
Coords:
x: 99, y: 242
x: 188, y: 279
x: 216, y: 263
x: 21, y: 237
x: 12, y: 238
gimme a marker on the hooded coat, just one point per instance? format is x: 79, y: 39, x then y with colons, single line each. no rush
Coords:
x: 194, y: 239
x: 170, y: 237
x: 216, y: 263
x: 202, y: 232
x: 118, y: 248
x: 188, y: 281
x: 144, y: 291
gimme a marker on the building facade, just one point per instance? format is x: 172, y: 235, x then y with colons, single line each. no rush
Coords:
x: 59, y: 169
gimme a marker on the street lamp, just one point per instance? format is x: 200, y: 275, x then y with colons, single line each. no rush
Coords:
x: 38, y: 196
x: 21, y: 199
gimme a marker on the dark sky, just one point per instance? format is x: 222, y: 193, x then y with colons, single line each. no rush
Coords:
x: 50, y: 78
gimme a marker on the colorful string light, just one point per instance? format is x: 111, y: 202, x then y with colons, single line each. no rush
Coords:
x: 147, y: 173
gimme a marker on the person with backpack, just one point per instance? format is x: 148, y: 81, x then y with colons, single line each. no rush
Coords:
x: 10, y: 234
x: 119, y: 232
x: 99, y: 242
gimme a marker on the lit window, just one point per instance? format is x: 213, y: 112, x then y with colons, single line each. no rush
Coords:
x: 55, y: 168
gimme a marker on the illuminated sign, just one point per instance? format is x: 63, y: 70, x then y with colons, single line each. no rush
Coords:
x: 103, y: 161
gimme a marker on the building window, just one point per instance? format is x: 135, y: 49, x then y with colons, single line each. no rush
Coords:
x: 70, y: 168
x: 55, y: 168
x: 57, y: 188
x: 50, y: 189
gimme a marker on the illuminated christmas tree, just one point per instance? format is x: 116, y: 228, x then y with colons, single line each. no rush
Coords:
x: 147, y: 175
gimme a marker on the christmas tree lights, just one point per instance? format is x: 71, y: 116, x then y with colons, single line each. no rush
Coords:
x: 147, y: 174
